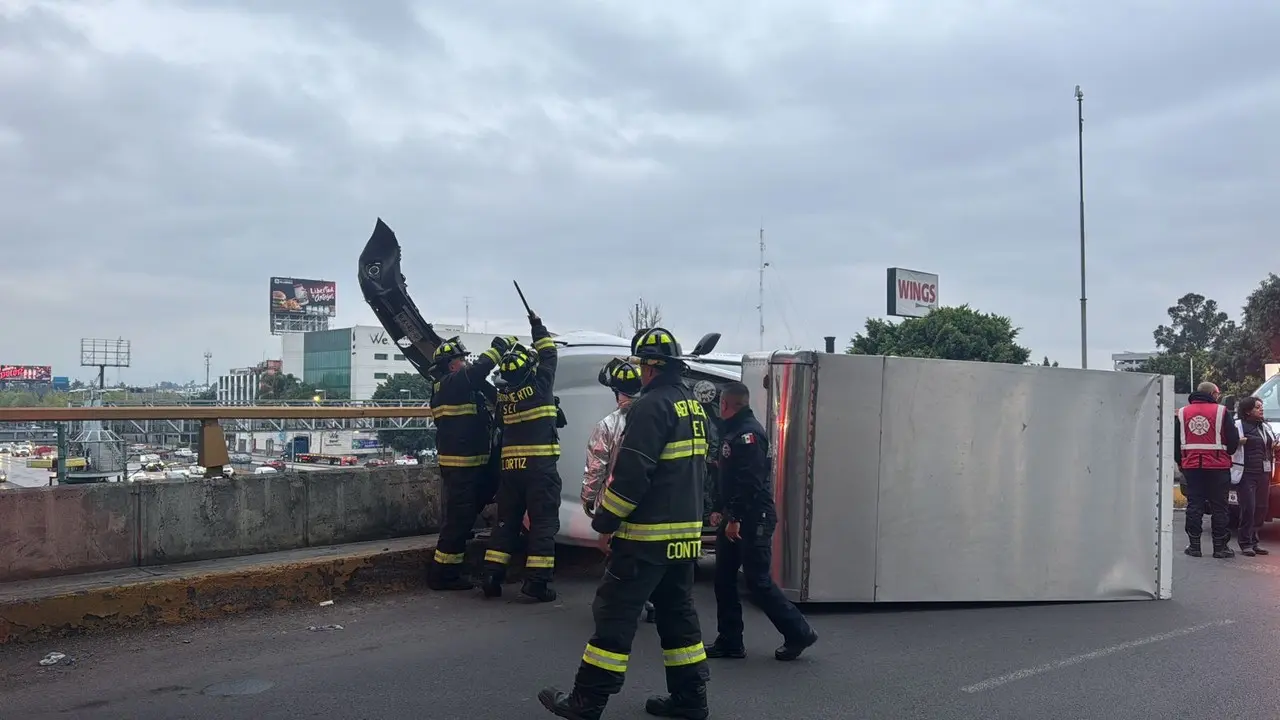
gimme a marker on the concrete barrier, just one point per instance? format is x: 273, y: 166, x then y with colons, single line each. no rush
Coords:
x: 70, y: 529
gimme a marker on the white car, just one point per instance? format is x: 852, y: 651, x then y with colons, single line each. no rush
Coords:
x: 264, y: 470
x: 183, y: 453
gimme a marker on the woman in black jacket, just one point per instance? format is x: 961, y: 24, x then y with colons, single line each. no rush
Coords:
x: 1258, y: 448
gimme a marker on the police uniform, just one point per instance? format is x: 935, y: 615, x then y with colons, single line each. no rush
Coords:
x: 464, y: 420
x: 1205, y: 441
x: 529, y: 480
x: 746, y: 497
x: 653, y: 509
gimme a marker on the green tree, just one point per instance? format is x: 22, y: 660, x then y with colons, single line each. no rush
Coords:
x: 406, y: 387
x: 1262, y: 319
x: 949, y: 333
x: 1195, y: 323
x: 285, y: 387
x: 1179, y: 365
x: 1046, y: 362
x: 207, y: 395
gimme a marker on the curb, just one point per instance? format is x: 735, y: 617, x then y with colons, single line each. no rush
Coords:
x: 176, y: 594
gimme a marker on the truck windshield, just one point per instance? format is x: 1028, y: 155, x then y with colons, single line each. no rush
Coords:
x: 1269, y: 393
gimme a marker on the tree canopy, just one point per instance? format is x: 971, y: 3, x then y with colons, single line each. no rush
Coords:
x: 1232, y: 355
x: 417, y: 389
x: 948, y: 333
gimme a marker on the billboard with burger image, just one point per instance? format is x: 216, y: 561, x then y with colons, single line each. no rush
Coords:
x: 296, y: 296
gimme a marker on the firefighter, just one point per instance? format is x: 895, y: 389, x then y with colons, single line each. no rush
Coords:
x: 1203, y: 446
x: 653, y: 510
x: 746, y: 521
x: 464, y: 421
x: 602, y: 448
x: 531, y: 419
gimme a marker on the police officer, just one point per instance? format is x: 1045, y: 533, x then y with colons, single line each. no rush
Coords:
x: 745, y: 537
x: 653, y: 509
x: 464, y: 419
x: 529, y: 480
x: 1206, y: 439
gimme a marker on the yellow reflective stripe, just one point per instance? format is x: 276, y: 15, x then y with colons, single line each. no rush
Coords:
x: 542, y: 411
x: 495, y: 556
x: 605, y: 660
x: 509, y: 451
x: 454, y: 410
x: 450, y: 558
x: 492, y: 354
x: 616, y: 504
x: 540, y: 561
x: 684, y: 449
x: 462, y: 461
x: 684, y: 656
x: 543, y: 344
x: 659, y: 532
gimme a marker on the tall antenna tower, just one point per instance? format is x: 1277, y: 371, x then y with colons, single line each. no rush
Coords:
x: 760, y: 303
x: 466, y: 323
x: 208, y: 357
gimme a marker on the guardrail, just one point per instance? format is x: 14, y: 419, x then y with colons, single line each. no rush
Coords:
x: 212, y: 450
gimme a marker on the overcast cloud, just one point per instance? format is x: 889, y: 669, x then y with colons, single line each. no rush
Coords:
x: 160, y: 160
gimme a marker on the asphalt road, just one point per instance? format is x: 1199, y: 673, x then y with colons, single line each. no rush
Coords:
x: 19, y: 475
x: 1205, y: 654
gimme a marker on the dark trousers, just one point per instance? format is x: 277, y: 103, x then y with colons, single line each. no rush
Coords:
x: 462, y: 490
x: 1253, y: 493
x: 627, y: 583
x: 754, y: 554
x: 536, y: 491
x: 1209, y: 486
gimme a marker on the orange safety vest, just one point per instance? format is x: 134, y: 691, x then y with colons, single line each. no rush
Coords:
x: 1200, y: 436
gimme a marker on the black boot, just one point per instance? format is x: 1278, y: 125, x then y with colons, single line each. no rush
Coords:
x: 649, y: 612
x: 722, y: 648
x: 689, y: 705
x: 492, y: 585
x: 1221, y: 551
x: 791, y: 649
x: 1259, y: 551
x: 573, y: 706
x: 447, y: 577
x: 1193, y: 546
x: 538, y: 591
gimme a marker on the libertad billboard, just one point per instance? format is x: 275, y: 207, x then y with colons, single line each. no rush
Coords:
x: 912, y: 293
x: 26, y: 373
x: 293, y: 297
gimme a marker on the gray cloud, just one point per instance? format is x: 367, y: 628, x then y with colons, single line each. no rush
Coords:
x: 158, y: 161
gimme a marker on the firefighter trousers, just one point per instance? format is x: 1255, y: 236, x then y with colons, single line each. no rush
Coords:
x: 627, y: 583
x: 536, y: 491
x: 1211, y: 487
x: 753, y: 553
x: 462, y: 490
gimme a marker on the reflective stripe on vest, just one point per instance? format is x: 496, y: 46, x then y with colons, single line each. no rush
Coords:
x: 444, y: 411
x: 534, y: 413
x: 462, y: 461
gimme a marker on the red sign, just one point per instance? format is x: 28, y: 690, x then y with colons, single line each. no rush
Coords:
x: 26, y: 373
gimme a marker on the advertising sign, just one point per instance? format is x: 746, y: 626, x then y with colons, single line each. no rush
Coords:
x: 911, y: 293
x: 26, y: 373
x: 298, y: 297
x: 365, y: 444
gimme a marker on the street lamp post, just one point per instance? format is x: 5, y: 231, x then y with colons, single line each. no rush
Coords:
x: 1084, y: 322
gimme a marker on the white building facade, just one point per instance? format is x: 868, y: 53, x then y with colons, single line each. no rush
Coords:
x: 1130, y: 360
x: 238, y: 387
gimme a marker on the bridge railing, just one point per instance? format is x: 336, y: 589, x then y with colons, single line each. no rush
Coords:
x: 212, y: 446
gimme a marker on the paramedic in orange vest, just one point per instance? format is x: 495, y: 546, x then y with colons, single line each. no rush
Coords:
x: 1203, y: 446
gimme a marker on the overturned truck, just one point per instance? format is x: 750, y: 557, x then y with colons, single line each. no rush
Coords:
x: 904, y: 479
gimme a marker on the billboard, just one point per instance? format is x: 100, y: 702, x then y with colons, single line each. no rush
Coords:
x: 26, y: 373
x: 295, y: 297
x: 911, y: 293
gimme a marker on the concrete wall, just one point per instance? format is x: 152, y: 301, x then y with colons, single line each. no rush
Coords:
x: 84, y: 528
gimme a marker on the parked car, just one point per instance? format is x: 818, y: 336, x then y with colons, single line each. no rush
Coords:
x: 277, y: 465
x: 241, y: 458
x: 264, y: 470
x: 376, y: 462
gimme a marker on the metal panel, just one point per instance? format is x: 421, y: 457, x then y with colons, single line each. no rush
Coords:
x: 1008, y: 483
x: 845, y: 478
x: 792, y: 388
x: 1165, y: 545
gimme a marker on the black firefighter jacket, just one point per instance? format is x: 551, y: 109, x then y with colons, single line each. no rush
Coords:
x: 460, y: 404
x: 529, y: 436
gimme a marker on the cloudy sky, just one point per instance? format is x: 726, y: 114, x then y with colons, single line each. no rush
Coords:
x: 160, y: 160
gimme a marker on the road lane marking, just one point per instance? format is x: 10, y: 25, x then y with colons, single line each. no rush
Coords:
x: 1025, y: 673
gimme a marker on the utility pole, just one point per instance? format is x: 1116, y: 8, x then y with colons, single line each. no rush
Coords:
x: 760, y: 290
x: 466, y: 324
x: 1084, y: 313
x: 208, y: 357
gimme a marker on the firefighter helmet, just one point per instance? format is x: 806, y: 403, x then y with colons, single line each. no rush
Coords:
x: 448, y: 351
x: 655, y: 346
x: 621, y: 377
x: 517, y: 365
